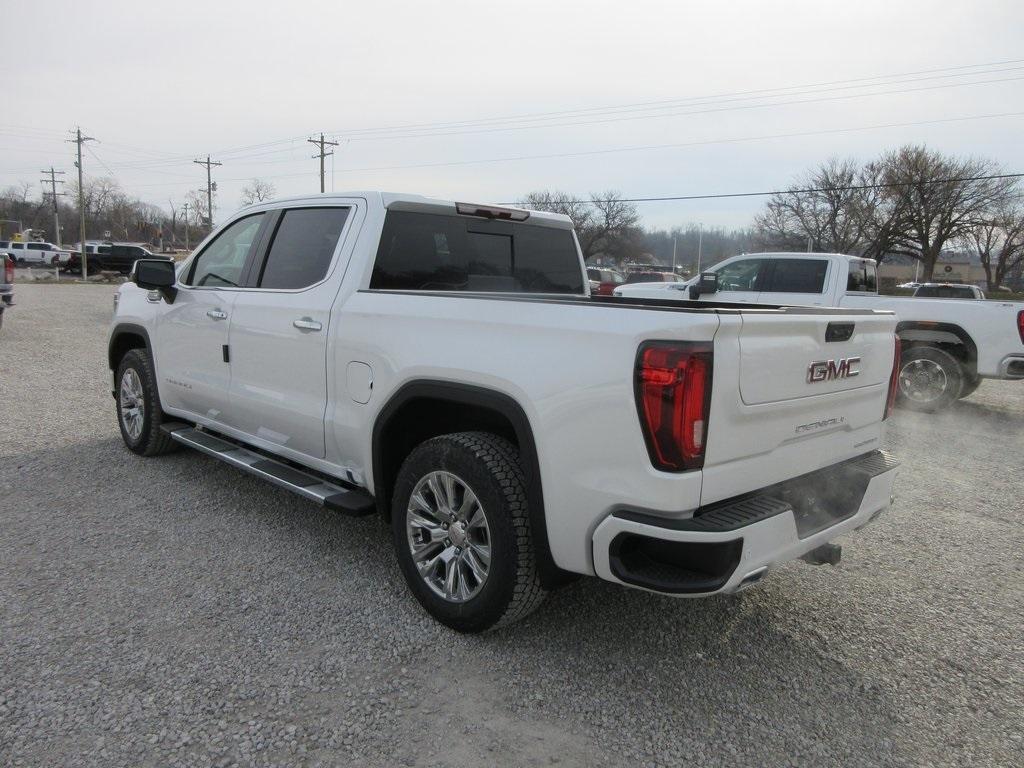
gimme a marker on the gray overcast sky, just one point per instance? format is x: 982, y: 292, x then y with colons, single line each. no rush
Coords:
x: 162, y: 83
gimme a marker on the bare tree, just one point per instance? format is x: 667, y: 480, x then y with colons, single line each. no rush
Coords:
x: 999, y: 241
x: 939, y: 199
x: 604, y: 224
x: 823, y: 209
x: 257, y: 191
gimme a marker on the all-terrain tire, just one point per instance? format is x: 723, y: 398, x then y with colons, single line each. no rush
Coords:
x: 489, y: 466
x: 150, y: 440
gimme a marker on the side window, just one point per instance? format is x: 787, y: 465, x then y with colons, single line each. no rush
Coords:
x: 18, y: 246
x: 798, y: 276
x: 744, y: 275
x: 221, y: 262
x: 301, y: 250
x: 37, y: 246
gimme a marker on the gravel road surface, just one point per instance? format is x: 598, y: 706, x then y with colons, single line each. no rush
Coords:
x: 172, y: 611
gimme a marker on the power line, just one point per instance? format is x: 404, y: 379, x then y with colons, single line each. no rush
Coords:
x: 480, y: 125
x: 845, y: 188
x: 321, y: 154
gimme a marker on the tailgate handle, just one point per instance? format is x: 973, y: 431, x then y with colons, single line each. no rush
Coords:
x: 839, y: 331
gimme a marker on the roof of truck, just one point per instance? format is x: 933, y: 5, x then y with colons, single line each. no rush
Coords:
x: 806, y: 255
x: 413, y: 202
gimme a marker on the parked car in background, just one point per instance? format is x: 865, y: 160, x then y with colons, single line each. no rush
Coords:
x: 653, y: 277
x: 6, y: 284
x: 948, y: 291
x: 110, y: 257
x: 948, y: 346
x: 37, y: 254
x: 333, y: 345
x: 603, y: 281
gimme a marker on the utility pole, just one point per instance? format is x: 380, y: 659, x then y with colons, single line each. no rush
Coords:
x: 184, y: 213
x: 700, y: 244
x: 174, y: 224
x: 80, y: 140
x: 209, y: 185
x: 53, y: 181
x: 674, y: 255
x: 322, y: 142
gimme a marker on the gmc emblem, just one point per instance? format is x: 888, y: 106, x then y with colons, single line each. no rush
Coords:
x: 829, y: 370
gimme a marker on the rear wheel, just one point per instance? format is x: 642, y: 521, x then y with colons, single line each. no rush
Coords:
x: 930, y: 379
x: 970, y: 385
x: 461, y: 529
x: 138, y: 406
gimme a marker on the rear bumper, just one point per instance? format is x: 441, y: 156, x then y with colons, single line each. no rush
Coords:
x: 729, y: 545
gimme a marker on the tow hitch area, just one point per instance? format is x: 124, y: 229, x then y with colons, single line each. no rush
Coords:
x: 826, y: 554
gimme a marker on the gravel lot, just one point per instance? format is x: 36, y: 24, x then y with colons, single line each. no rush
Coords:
x: 174, y: 612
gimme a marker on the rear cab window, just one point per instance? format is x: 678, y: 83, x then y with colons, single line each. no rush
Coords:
x: 863, y: 277
x: 438, y: 252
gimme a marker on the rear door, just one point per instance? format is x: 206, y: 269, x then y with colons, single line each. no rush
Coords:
x: 798, y: 281
x: 279, y: 328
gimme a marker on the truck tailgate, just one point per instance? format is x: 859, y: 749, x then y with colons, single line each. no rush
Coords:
x: 794, y: 391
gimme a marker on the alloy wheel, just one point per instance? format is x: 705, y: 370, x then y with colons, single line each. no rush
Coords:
x: 448, y: 536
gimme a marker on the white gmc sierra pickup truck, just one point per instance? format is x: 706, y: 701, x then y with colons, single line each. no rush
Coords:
x: 444, y: 364
x: 948, y: 345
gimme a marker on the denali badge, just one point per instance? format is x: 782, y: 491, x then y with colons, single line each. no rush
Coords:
x: 827, y: 370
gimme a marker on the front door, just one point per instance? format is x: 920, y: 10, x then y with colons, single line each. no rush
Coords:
x: 739, y: 281
x: 279, y: 326
x: 192, y: 367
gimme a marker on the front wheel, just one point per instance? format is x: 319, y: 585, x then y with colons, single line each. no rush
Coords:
x: 461, y: 529
x: 138, y: 406
x: 930, y: 379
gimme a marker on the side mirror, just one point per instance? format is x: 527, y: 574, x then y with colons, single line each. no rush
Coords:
x: 156, y: 275
x: 708, y: 283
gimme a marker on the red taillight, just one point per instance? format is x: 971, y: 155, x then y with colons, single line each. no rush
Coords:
x: 1020, y: 325
x: 894, y: 380
x: 673, y: 392
x: 8, y: 269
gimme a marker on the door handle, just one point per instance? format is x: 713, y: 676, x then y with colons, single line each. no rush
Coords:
x: 307, y: 324
x: 216, y: 314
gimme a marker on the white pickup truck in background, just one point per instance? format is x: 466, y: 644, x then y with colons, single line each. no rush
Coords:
x: 949, y: 345
x: 441, y: 363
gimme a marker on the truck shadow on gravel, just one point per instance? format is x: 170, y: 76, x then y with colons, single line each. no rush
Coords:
x: 598, y: 669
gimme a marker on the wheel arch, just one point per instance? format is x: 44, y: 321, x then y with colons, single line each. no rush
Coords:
x: 941, y: 334
x: 124, y: 338
x: 422, y: 409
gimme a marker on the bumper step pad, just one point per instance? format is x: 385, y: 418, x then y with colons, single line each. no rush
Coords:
x: 349, y: 501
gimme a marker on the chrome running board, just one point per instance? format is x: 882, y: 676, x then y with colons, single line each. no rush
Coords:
x: 349, y: 501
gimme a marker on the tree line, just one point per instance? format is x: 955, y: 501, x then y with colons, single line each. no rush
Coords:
x: 912, y: 201
x: 108, y: 209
